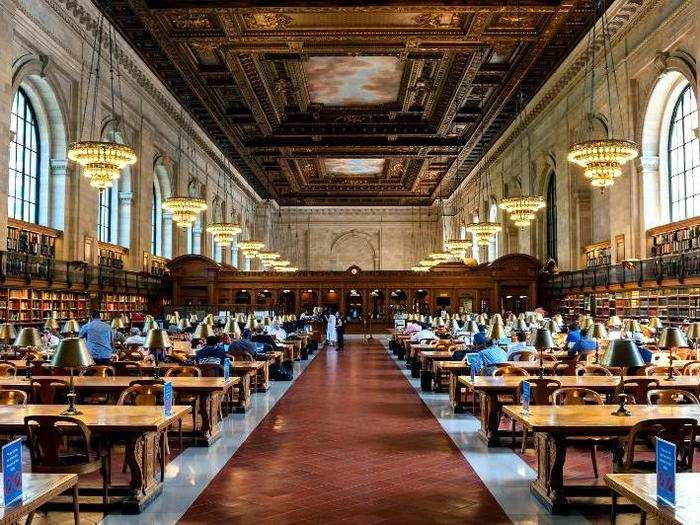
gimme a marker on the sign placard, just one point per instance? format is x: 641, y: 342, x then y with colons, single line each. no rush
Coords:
x: 526, y: 397
x: 227, y: 370
x: 666, y: 472
x: 168, y: 398
x: 474, y: 365
x: 12, y: 472
x: 399, y: 323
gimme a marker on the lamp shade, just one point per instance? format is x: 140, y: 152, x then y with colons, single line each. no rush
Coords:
x: 622, y: 353
x: 672, y: 337
x: 72, y: 352
x: 471, y: 327
x: 497, y: 331
x: 598, y: 331
x: 632, y: 325
x: 194, y: 318
x: 7, y: 332
x: 52, y: 324
x: 655, y: 323
x: 693, y: 332
x: 496, y: 318
x: 149, y: 324
x: 157, y: 339
x: 552, y: 326
x: 559, y: 319
x: 209, y: 319
x: 203, y: 331
x: 520, y: 326
x: 28, y: 337
x: 586, y: 323
x: 614, y: 321
x: 175, y: 318
x: 117, y: 323
x: 184, y: 324
x: 71, y: 326
x: 231, y: 327
x: 544, y: 339
x: 252, y: 323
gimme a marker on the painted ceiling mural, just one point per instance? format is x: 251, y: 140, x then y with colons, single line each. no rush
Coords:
x: 414, y: 92
x: 353, y: 80
x: 355, y: 167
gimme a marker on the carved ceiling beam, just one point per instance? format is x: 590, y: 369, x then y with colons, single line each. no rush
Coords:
x: 350, y: 142
x: 322, y: 5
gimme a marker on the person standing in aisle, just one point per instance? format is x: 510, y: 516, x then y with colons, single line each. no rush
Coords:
x: 99, y: 339
x: 340, y: 331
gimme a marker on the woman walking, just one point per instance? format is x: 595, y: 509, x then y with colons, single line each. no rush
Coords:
x: 331, y: 334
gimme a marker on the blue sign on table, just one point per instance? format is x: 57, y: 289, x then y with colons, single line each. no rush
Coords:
x: 666, y: 471
x: 227, y: 370
x: 12, y: 472
x: 168, y: 398
x: 474, y: 365
x: 526, y: 397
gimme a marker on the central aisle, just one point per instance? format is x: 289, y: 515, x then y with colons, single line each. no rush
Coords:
x: 351, y: 441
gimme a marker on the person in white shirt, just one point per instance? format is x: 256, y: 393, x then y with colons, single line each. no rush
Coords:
x: 425, y: 333
x: 520, y: 345
x: 135, y: 338
x: 50, y: 339
x: 275, y: 330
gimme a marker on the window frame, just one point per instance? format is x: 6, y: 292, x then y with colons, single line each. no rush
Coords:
x: 104, y: 203
x: 33, y: 215
x: 551, y: 218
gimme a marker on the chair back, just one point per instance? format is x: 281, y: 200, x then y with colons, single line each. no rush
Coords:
x: 574, y: 395
x: 430, y: 342
x: 656, y: 371
x: 671, y: 396
x: 637, y: 388
x: 523, y: 355
x: 179, y: 357
x: 127, y: 368
x: 99, y: 371
x: 7, y: 369
x: 679, y: 431
x: 130, y: 354
x: 593, y: 370
x: 13, y: 397
x: 541, y: 390
x: 48, y: 446
x: 211, y: 370
x: 510, y: 371
x: 183, y: 371
x: 45, y: 389
x: 142, y: 395
x: 691, y: 369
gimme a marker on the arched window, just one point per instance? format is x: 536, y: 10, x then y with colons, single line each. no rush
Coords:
x: 551, y: 217
x: 684, y: 158
x: 156, y: 223
x: 493, y: 246
x: 23, y: 188
x: 104, y: 216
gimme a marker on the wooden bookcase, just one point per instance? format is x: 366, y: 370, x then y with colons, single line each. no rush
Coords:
x: 129, y: 304
x: 111, y: 255
x: 598, y: 254
x: 31, y: 239
x: 33, y: 306
x: 674, y: 238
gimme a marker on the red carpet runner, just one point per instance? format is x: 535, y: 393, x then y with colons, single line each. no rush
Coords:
x: 350, y: 442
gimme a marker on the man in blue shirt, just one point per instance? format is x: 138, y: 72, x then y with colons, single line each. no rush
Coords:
x: 574, y: 334
x: 492, y: 355
x: 583, y: 346
x: 99, y: 339
x: 480, y: 337
x: 643, y: 350
x: 212, y: 352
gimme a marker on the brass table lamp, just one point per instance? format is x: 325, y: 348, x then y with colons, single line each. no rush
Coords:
x: 597, y: 332
x: 157, y: 341
x: 28, y: 338
x: 7, y: 333
x: 543, y: 341
x: 672, y: 338
x: 52, y: 324
x: 72, y: 353
x: 622, y: 353
x: 693, y: 334
x: 203, y: 331
x: 70, y: 328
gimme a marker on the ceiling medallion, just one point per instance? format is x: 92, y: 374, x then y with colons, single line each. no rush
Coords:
x: 184, y: 209
x: 522, y: 209
x: 483, y: 232
x: 224, y: 232
x: 268, y: 20
x: 102, y: 162
x: 602, y: 160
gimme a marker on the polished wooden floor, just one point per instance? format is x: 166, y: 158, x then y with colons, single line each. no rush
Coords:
x: 350, y: 442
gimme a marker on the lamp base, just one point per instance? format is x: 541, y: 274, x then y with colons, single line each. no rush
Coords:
x: 621, y: 411
x: 71, y: 411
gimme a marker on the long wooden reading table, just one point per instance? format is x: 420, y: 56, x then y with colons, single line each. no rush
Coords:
x: 38, y: 489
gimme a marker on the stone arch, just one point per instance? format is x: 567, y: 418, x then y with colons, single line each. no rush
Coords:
x: 162, y: 184
x: 354, y: 248
x: 676, y: 71
x: 32, y: 73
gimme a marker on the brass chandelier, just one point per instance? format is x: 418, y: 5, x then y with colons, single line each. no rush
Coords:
x: 102, y: 160
x: 458, y: 247
x: 184, y: 209
x: 523, y: 209
x: 484, y: 231
x: 251, y: 248
x: 602, y: 159
x: 224, y: 232
x: 419, y: 269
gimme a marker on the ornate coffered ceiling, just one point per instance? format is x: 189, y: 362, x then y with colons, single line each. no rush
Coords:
x: 349, y: 102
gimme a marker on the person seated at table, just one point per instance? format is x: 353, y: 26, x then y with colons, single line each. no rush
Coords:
x: 480, y: 337
x: 615, y: 332
x: 583, y: 346
x: 646, y: 354
x: 574, y: 335
x: 519, y: 345
x: 275, y: 330
x: 211, y: 352
x: 135, y: 337
x: 411, y: 328
x: 119, y: 336
x: 50, y: 339
x: 424, y: 333
x: 243, y: 347
x: 98, y: 338
x: 492, y: 355
x: 260, y: 337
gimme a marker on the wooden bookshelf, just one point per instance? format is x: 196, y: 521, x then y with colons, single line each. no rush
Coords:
x: 133, y: 305
x: 598, y: 254
x: 674, y: 238
x: 111, y: 255
x: 33, y: 306
x: 32, y: 239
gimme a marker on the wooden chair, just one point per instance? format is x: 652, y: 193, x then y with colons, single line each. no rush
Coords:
x: 97, y: 371
x: 657, y: 371
x: 679, y: 431
x: 130, y: 354
x: 691, y: 369
x: 211, y: 369
x: 523, y: 355
x: 582, y: 396
x: 186, y: 399
x: 127, y: 368
x: 541, y: 391
x: 510, y: 371
x: 7, y: 369
x: 593, y: 370
x: 51, y: 452
x: 45, y: 390
x: 637, y: 388
x: 12, y: 396
x: 671, y: 396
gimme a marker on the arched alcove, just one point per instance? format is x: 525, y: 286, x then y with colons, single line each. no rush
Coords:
x: 353, y: 248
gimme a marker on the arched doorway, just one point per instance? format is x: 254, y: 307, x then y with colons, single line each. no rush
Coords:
x: 354, y: 305
x: 397, y: 302
x: 287, y: 302
x: 309, y: 300
x: 377, y: 301
x: 421, y: 302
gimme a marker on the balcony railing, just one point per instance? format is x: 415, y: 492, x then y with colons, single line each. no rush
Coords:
x: 676, y: 266
x: 30, y: 268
